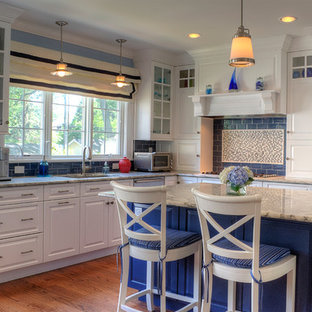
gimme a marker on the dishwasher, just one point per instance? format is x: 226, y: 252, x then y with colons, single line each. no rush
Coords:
x: 138, y: 208
x: 149, y: 181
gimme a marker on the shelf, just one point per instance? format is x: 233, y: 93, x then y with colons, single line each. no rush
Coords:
x: 237, y: 103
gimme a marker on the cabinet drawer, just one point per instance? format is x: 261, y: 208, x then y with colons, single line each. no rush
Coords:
x: 59, y: 191
x: 93, y: 188
x: 14, y: 195
x: 16, y: 220
x: 20, y: 252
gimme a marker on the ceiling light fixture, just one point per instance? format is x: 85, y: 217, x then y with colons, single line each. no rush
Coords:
x: 120, y: 79
x: 288, y: 19
x: 241, y: 50
x: 193, y: 35
x: 61, y: 67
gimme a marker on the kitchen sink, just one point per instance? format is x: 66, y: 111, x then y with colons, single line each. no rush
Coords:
x: 91, y: 175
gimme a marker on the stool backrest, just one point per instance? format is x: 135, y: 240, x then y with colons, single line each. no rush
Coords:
x: 154, y: 196
x: 247, y: 207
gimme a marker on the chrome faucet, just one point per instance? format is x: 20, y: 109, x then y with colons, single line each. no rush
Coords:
x: 85, y: 168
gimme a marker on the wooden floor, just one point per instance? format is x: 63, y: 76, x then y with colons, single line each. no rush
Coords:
x: 89, y: 287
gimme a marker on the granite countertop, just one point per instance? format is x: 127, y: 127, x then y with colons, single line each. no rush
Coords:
x: 30, y: 181
x: 276, y: 203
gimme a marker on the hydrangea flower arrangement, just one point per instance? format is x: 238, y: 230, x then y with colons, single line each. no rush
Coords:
x: 236, y: 177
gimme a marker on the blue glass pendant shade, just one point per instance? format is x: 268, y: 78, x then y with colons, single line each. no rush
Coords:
x: 233, y: 83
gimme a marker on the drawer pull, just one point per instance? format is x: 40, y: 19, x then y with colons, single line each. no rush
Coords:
x: 63, y: 191
x: 26, y: 252
x: 1, y: 257
x: 27, y: 219
x: 1, y: 222
x: 63, y: 203
x: 107, y: 203
x: 95, y: 189
x: 28, y: 194
x: 112, y: 202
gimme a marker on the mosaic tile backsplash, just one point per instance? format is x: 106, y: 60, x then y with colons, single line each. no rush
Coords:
x: 253, y: 146
x: 251, y: 124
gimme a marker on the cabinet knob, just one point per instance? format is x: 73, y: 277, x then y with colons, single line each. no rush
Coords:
x: 7, y: 122
x: 1, y: 223
x: 288, y: 131
x: 198, y: 132
x: 197, y: 155
x: 288, y: 158
x: 107, y: 203
x: 112, y: 202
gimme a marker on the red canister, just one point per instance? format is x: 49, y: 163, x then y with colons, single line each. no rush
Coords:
x: 124, y: 165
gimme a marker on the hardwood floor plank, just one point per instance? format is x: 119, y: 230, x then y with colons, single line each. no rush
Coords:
x: 87, y: 287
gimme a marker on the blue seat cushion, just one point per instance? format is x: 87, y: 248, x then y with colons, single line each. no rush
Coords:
x: 175, y: 239
x: 267, y: 254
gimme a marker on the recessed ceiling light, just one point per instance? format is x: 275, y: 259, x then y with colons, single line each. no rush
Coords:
x: 288, y: 19
x: 193, y: 35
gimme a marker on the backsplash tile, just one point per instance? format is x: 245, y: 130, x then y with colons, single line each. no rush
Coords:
x: 143, y: 146
x: 247, y: 123
x: 58, y: 168
x: 264, y: 146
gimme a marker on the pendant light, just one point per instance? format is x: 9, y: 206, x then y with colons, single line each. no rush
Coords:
x: 61, y: 67
x: 241, y: 51
x: 120, y: 79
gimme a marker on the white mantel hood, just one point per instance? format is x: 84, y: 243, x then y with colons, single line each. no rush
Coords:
x: 237, y: 104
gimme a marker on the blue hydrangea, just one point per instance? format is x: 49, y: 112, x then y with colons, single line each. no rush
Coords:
x: 238, y: 176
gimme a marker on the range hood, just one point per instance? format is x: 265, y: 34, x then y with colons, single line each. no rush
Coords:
x: 242, y: 103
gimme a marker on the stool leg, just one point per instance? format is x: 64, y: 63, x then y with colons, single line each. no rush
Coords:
x: 254, y: 297
x: 197, y: 278
x: 124, y: 280
x: 150, y: 285
x: 290, y: 292
x: 206, y: 302
x: 231, y: 296
x: 163, y: 289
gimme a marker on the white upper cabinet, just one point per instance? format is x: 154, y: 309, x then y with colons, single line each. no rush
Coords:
x: 154, y: 102
x: 299, y: 109
x: 186, y: 126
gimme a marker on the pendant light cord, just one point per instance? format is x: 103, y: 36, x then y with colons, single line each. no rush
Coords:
x: 242, y: 13
x: 61, y: 60
x: 120, y: 57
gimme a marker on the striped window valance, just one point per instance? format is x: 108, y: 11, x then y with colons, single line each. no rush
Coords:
x: 30, y: 67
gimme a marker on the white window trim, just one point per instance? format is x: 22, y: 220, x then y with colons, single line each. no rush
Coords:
x: 47, y: 111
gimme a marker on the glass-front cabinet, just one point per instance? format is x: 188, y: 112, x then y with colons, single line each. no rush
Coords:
x: 5, y: 30
x: 161, y: 101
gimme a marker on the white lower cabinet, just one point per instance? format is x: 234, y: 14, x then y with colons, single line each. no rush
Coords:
x: 61, y: 228
x: 94, y: 223
x: 114, y: 234
x: 19, y: 252
x: 292, y: 186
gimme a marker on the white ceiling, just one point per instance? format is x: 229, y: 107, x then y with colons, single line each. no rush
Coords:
x: 161, y: 23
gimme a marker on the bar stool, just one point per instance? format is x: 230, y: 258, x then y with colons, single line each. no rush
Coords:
x: 236, y: 260
x: 154, y: 244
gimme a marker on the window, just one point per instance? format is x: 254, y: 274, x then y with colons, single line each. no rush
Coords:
x: 26, y: 122
x: 59, y: 125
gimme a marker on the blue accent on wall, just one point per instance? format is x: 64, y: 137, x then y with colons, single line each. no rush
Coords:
x: 48, y: 43
x: 246, y: 123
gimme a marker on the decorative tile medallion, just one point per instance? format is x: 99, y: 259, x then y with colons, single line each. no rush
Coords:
x: 253, y: 146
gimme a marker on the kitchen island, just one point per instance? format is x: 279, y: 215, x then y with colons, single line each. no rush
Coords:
x: 286, y: 222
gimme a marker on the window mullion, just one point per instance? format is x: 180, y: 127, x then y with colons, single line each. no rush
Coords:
x: 48, y: 124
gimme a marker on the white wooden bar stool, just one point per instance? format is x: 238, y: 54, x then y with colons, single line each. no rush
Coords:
x: 236, y: 260
x: 154, y: 244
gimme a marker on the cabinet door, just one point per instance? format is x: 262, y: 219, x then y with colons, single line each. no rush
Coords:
x: 61, y: 228
x: 114, y: 225
x: 94, y: 223
x: 187, y: 155
x: 5, y: 38
x: 161, y: 101
x: 186, y: 125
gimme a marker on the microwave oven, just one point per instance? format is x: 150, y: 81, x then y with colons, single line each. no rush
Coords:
x: 152, y: 161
